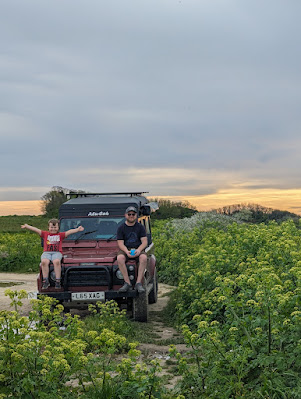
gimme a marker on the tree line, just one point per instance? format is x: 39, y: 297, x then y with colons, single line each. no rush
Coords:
x: 255, y: 213
x: 168, y: 209
x: 53, y: 199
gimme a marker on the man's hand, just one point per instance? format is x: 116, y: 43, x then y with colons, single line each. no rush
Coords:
x: 80, y: 228
x: 24, y: 226
x: 128, y: 252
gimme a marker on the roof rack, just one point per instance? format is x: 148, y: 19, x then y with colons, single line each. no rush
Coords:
x: 76, y: 194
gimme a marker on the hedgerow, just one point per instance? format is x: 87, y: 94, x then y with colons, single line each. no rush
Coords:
x: 178, y: 239
x: 19, y: 252
x: 238, y: 300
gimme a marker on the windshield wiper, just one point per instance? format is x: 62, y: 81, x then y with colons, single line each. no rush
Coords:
x: 84, y: 234
x: 110, y: 238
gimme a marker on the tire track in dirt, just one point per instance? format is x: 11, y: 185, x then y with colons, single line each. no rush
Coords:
x: 159, y: 347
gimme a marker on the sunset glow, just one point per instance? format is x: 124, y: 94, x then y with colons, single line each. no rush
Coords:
x: 287, y: 200
x: 20, y: 208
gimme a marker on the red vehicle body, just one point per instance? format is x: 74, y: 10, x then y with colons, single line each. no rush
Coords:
x: 89, y: 267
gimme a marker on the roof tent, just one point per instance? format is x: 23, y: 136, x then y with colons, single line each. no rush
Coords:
x: 103, y: 204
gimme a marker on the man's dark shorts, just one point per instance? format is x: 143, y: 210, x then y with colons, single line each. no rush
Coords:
x: 120, y: 252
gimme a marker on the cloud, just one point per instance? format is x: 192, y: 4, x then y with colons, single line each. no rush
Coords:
x: 22, y: 193
x: 181, y: 98
x: 14, y: 127
x: 158, y: 181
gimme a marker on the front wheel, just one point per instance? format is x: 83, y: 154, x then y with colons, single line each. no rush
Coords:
x: 140, y: 307
x: 153, y: 295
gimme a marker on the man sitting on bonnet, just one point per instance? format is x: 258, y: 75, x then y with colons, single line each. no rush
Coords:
x: 131, y: 235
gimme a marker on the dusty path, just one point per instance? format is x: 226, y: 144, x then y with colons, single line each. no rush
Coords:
x: 166, y: 335
x: 19, y: 281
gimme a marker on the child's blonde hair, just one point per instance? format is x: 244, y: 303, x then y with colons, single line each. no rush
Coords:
x: 53, y: 221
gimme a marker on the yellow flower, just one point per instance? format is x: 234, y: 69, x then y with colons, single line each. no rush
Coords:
x: 222, y: 298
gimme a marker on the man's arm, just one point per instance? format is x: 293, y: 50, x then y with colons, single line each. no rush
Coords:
x: 31, y: 228
x: 73, y: 231
x: 142, y: 246
x: 123, y: 248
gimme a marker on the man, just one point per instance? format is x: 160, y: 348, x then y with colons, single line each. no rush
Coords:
x: 132, y: 241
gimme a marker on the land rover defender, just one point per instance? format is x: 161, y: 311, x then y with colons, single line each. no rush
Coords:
x: 89, y: 266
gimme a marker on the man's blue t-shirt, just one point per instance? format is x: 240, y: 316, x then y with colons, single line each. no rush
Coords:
x: 131, y: 235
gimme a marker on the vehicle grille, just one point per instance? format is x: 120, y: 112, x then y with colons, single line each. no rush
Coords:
x: 87, y: 277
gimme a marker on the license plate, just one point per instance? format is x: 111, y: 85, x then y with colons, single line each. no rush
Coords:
x: 92, y: 296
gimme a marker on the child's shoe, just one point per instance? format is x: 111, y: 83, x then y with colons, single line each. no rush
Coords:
x: 139, y: 288
x: 57, y: 284
x: 45, y: 284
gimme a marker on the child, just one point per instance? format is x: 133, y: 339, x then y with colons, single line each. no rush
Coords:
x: 52, y: 249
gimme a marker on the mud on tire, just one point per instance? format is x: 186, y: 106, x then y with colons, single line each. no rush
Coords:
x: 140, y: 307
x: 153, y: 295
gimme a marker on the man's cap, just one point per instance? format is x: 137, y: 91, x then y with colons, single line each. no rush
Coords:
x: 131, y: 208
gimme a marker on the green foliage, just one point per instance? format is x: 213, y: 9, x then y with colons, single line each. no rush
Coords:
x: 19, y: 252
x: 12, y: 224
x: 238, y: 300
x: 178, y: 239
x: 172, y: 209
x: 254, y: 213
x: 108, y: 316
x: 239, y: 296
x: 49, y: 354
x: 52, y: 201
x: 35, y: 359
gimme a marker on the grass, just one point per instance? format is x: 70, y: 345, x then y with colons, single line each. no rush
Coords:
x: 12, y: 224
x: 169, y: 314
x: 9, y: 284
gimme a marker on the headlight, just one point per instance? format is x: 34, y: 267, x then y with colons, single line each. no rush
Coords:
x: 131, y: 268
x: 119, y: 275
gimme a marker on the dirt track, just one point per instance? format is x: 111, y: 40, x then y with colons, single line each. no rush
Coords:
x: 25, y: 282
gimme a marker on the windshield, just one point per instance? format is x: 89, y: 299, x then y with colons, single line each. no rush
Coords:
x: 96, y: 228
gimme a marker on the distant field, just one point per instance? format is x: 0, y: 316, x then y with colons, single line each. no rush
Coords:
x: 12, y: 224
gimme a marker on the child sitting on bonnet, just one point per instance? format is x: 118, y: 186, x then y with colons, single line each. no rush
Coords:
x: 52, y: 250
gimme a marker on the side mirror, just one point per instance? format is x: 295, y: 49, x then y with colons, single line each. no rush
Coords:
x: 145, y: 210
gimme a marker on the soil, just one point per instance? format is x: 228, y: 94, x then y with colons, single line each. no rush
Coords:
x: 27, y: 282
x: 167, y: 335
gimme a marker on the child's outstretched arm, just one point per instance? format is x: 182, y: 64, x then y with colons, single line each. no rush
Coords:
x: 73, y: 231
x: 31, y: 228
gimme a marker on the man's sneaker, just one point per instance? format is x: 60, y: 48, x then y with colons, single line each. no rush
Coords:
x: 125, y: 288
x: 57, y: 284
x: 45, y: 284
x: 139, y: 288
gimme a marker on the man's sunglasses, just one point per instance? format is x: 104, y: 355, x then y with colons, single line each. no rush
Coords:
x: 131, y: 214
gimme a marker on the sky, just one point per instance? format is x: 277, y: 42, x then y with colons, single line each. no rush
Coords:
x: 185, y: 99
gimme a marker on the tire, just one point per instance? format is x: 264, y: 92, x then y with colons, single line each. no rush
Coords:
x: 140, y: 308
x: 153, y: 295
